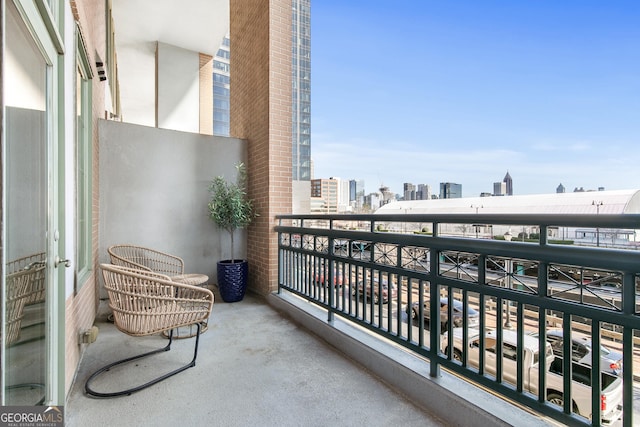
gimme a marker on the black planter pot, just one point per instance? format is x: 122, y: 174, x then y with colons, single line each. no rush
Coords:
x: 232, y: 279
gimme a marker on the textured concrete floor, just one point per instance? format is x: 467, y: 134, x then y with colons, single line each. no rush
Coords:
x: 254, y: 368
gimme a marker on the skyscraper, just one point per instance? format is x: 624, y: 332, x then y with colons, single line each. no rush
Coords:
x: 300, y: 97
x: 356, y: 194
x: 424, y: 192
x: 450, y: 190
x: 301, y: 104
x: 409, y: 191
x: 221, y: 89
x: 509, y: 184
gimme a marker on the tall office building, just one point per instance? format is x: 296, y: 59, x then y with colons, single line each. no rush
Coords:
x: 356, y: 194
x: 221, y: 89
x: 300, y: 97
x: 508, y: 184
x: 301, y: 108
x: 450, y: 190
x: 500, y: 188
x: 409, y: 191
x: 424, y: 192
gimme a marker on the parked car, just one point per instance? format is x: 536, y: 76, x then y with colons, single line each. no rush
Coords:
x: 473, y: 317
x: 337, y: 278
x: 610, y: 396
x: 388, y: 291
x: 581, y: 350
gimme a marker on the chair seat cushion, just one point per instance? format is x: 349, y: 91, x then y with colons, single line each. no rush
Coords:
x: 193, y: 279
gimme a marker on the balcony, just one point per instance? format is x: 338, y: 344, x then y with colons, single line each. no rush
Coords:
x: 255, y: 367
x: 360, y: 360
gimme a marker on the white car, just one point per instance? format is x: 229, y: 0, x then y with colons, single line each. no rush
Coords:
x: 610, y: 396
x: 581, y: 350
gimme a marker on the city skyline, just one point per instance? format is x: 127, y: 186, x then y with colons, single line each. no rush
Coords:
x: 426, y: 93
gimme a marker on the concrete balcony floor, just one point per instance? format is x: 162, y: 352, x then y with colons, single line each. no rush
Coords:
x: 255, y: 367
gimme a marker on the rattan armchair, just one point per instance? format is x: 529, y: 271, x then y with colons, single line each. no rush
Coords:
x: 141, y: 258
x: 148, y: 259
x: 24, y: 286
x: 147, y: 303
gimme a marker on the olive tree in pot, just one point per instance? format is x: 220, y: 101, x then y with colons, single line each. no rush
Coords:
x: 230, y: 208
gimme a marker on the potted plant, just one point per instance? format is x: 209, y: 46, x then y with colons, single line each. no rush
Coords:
x: 231, y: 209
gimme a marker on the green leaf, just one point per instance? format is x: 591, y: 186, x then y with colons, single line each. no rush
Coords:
x: 229, y: 206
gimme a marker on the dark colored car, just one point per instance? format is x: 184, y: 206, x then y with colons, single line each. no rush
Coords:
x: 473, y: 317
x: 388, y: 291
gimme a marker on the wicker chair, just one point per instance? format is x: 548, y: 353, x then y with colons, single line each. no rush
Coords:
x: 24, y: 286
x: 18, y: 285
x: 36, y: 264
x: 146, y: 303
x: 142, y: 258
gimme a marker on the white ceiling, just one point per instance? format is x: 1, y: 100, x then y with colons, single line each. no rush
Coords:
x: 196, y: 25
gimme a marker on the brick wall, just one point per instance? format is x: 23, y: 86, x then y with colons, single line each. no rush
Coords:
x: 260, y: 33
x: 82, y: 306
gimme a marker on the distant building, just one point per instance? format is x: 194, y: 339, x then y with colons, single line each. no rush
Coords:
x: 615, y: 202
x: 509, y: 184
x: 409, y: 191
x: 372, y: 201
x: 324, y: 196
x: 424, y: 192
x: 450, y: 190
x: 221, y: 89
x: 486, y: 194
x: 560, y: 188
x: 387, y: 195
x: 301, y: 104
x: 343, y: 195
x: 356, y: 194
x: 500, y: 188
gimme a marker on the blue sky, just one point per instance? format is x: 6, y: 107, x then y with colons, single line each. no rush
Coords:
x: 465, y: 90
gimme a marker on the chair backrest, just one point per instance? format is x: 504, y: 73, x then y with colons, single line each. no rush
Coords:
x: 36, y: 264
x: 19, y: 285
x: 141, y: 258
x: 144, y: 302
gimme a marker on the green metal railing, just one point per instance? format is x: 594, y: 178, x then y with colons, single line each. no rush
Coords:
x: 419, y: 280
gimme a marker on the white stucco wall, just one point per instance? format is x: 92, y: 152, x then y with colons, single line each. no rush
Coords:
x: 138, y: 90
x: 178, y: 88
x: 154, y: 192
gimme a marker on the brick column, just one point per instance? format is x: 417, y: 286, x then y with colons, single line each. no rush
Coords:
x: 260, y: 34
x: 206, y: 94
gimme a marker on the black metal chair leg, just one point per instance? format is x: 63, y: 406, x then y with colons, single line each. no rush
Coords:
x: 132, y: 390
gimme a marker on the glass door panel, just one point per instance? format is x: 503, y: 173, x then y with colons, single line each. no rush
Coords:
x: 24, y: 361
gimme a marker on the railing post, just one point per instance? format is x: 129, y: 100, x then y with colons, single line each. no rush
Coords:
x: 628, y: 308
x: 543, y: 274
x: 434, y: 313
x: 329, y: 284
x: 542, y: 235
x: 280, y: 266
